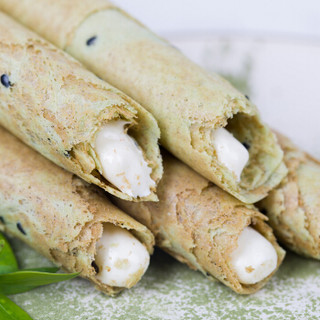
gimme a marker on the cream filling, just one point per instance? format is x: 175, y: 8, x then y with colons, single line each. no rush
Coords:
x: 121, y: 258
x: 230, y: 151
x: 122, y: 161
x: 255, y: 258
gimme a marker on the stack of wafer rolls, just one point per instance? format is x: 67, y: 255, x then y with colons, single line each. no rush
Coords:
x: 57, y: 107
x: 293, y: 207
x: 199, y: 224
x: 190, y: 105
x: 57, y: 213
x: 205, y: 209
x: 52, y: 104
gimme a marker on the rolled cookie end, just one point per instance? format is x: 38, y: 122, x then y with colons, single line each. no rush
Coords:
x: 121, y: 258
x: 122, y: 162
x: 230, y: 151
x: 255, y: 258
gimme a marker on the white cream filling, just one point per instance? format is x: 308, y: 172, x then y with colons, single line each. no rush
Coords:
x: 255, y: 258
x: 122, y: 161
x: 230, y: 151
x: 121, y: 258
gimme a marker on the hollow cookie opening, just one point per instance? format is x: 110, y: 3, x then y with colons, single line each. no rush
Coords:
x: 120, y: 258
x: 259, y: 142
x: 115, y: 158
x: 254, y: 258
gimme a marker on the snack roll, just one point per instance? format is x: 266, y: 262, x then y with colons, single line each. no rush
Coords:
x: 73, y: 118
x: 293, y: 207
x: 203, y: 226
x: 189, y: 104
x: 69, y: 221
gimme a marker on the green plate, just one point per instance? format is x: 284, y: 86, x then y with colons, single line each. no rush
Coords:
x: 170, y: 290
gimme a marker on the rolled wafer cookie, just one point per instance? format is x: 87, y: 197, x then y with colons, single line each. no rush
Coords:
x: 204, y: 121
x: 293, y: 207
x: 78, y: 121
x: 63, y: 217
x: 203, y: 226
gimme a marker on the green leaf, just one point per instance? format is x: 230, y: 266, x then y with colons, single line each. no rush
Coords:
x: 8, y: 262
x: 42, y: 269
x: 10, y: 311
x: 22, y: 281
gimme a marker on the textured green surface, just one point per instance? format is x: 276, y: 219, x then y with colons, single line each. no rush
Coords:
x: 170, y: 290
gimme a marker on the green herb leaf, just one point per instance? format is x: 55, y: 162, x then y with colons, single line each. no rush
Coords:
x: 8, y: 262
x: 22, y: 281
x: 43, y: 269
x: 10, y: 311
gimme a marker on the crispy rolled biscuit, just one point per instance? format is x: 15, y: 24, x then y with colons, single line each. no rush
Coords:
x: 293, y: 207
x: 55, y: 212
x: 53, y: 104
x: 199, y: 224
x: 187, y: 102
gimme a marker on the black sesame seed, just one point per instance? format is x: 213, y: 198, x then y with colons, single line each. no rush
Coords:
x: 2, y: 220
x: 247, y: 97
x: 264, y: 211
x: 91, y: 41
x: 19, y: 226
x: 67, y: 154
x: 95, y: 267
x: 5, y: 81
x: 246, y: 145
